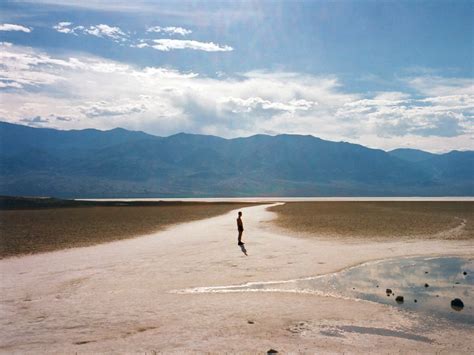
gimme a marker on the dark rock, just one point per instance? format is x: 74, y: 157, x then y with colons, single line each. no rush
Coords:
x: 464, y: 273
x: 426, y: 272
x: 457, y: 282
x: 426, y: 285
x: 415, y: 301
x: 272, y: 351
x: 377, y: 286
x: 399, y: 299
x: 389, y: 291
x: 250, y: 322
x: 457, y: 304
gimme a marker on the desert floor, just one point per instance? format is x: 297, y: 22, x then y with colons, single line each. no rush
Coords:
x: 36, y: 229
x: 120, y: 296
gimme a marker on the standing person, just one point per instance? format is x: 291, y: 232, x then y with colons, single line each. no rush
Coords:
x: 240, y: 228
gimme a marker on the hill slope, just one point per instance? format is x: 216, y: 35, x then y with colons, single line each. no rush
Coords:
x: 91, y: 163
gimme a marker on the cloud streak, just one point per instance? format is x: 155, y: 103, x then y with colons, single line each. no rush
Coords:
x: 166, y: 45
x: 12, y: 27
x: 163, y: 44
x: 63, y: 27
x: 170, y: 30
x: 106, y: 31
x: 101, y: 93
x: 101, y: 30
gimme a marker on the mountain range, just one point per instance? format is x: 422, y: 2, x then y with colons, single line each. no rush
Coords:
x: 120, y: 163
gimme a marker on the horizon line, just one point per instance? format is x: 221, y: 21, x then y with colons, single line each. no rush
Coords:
x: 228, y: 139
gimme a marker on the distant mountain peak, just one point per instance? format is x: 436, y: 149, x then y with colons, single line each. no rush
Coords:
x: 120, y: 163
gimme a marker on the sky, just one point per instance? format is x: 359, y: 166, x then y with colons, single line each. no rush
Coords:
x: 384, y: 74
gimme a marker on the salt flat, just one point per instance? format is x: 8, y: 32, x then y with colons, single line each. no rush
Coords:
x: 119, y: 297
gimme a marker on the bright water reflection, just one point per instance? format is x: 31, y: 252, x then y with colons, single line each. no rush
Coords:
x: 432, y: 282
x: 287, y: 199
x: 426, y: 284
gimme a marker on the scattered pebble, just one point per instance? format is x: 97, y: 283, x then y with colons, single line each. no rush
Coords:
x: 389, y: 291
x: 426, y: 285
x: 426, y: 272
x: 457, y: 282
x: 250, y: 322
x: 457, y: 304
x: 415, y: 301
x: 464, y: 273
x: 399, y: 299
x: 272, y: 351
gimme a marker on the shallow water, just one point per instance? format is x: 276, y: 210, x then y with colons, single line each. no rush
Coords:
x: 287, y: 199
x: 432, y: 282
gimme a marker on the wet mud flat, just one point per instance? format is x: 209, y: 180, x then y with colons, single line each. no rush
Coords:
x: 378, y: 220
x: 441, y: 287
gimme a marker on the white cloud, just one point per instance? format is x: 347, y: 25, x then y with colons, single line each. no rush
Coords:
x: 101, y: 30
x: 167, y: 44
x: 252, y: 104
x: 64, y: 27
x: 442, y: 116
x: 100, y: 93
x: 140, y: 45
x: 164, y: 44
x: 440, y: 86
x: 12, y: 27
x: 171, y: 30
x: 103, y: 108
x: 105, y: 31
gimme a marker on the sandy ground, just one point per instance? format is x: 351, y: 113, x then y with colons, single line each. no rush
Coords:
x: 47, y: 228
x: 117, y: 297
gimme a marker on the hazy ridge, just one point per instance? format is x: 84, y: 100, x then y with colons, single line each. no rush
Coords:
x: 115, y: 163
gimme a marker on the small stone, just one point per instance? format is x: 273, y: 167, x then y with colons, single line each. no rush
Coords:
x: 272, y: 351
x: 250, y: 322
x: 464, y: 273
x: 415, y: 301
x: 377, y: 286
x: 399, y: 299
x: 457, y: 304
x: 426, y: 272
x: 457, y: 282
x: 389, y: 291
x: 426, y: 285
x: 353, y: 288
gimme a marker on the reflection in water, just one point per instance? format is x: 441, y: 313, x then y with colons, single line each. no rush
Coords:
x: 420, y: 284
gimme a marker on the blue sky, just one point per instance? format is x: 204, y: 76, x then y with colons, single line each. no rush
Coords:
x: 385, y: 74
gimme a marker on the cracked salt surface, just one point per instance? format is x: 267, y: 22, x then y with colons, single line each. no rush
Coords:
x: 427, y: 284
